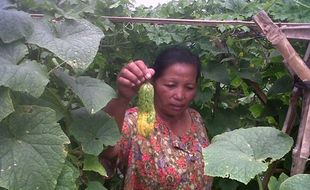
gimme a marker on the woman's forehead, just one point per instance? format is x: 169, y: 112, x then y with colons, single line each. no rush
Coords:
x: 180, y: 70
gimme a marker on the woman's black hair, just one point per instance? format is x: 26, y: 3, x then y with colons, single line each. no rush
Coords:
x: 173, y: 55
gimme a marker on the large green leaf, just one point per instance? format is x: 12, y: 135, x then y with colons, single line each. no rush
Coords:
x: 217, y: 72
x: 12, y: 53
x: 250, y: 74
x: 94, y: 131
x: 27, y: 77
x: 14, y: 25
x: 67, y: 178
x: 47, y: 99
x: 223, y: 120
x: 32, y: 151
x: 6, y: 104
x: 74, y: 41
x: 91, y: 163
x: 282, y: 85
x: 296, y: 182
x: 244, y: 153
x: 94, y: 93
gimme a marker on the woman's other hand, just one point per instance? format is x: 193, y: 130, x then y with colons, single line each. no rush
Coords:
x: 131, y: 77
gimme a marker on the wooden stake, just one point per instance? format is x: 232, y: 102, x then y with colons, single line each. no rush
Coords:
x: 299, y: 157
x: 280, y: 42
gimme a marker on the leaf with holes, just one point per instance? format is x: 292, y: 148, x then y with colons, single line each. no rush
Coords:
x: 32, y: 151
x: 243, y: 153
x: 74, y: 41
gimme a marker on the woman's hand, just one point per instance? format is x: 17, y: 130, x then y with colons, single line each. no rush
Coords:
x: 131, y: 77
x: 128, y: 81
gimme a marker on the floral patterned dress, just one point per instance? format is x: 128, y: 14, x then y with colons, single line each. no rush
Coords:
x: 164, y: 160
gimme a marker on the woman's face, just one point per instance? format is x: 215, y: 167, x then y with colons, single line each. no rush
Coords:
x: 175, y: 89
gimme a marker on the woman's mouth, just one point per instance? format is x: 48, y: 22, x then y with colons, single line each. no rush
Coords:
x: 177, y: 107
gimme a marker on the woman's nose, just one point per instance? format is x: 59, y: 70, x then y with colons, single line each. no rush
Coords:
x: 179, y: 94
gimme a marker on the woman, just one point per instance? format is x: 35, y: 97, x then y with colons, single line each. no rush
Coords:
x: 171, y: 157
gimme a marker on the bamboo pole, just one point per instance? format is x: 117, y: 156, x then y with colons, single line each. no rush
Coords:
x: 291, y: 112
x: 200, y: 22
x: 280, y: 42
x: 299, y: 158
x: 299, y: 31
x: 292, y: 30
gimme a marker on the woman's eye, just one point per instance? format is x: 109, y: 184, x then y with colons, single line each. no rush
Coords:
x: 170, y: 85
x: 190, y: 87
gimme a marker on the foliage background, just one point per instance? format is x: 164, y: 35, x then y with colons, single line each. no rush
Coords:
x: 56, y: 96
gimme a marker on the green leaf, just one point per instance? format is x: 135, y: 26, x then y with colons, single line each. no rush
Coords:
x: 94, y: 131
x: 282, y: 85
x: 6, y: 104
x: 14, y: 25
x: 27, y: 77
x: 236, y: 82
x: 296, y: 182
x: 223, y: 120
x: 95, y: 185
x: 244, y: 153
x: 47, y: 99
x: 221, y: 27
x: 77, y: 8
x: 91, y: 163
x: 67, y: 178
x: 256, y: 110
x: 274, y: 183
x: 206, y: 46
x: 235, y: 5
x: 32, y: 151
x: 250, y: 73
x: 74, y: 41
x: 94, y: 93
x: 217, y: 72
x: 12, y: 53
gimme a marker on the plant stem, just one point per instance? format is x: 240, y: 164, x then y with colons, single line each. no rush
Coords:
x: 260, y: 184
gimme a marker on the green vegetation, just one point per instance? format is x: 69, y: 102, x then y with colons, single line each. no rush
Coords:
x: 58, y: 65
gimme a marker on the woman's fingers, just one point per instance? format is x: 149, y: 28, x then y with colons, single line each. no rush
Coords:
x: 143, y: 69
x: 138, y: 68
x: 134, y: 69
x: 131, y: 77
x: 136, y: 72
x: 150, y: 73
x: 127, y: 75
x: 125, y: 82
